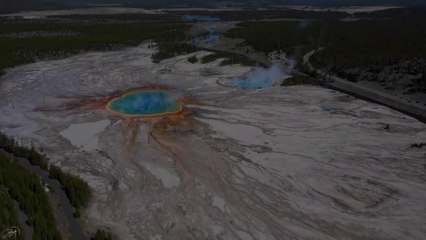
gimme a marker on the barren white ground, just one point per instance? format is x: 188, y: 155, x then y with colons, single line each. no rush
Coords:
x: 298, y: 162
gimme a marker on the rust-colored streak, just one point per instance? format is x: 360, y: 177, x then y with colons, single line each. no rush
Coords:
x: 131, y: 123
x: 101, y: 102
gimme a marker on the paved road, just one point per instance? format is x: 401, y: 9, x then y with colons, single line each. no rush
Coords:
x: 410, y: 108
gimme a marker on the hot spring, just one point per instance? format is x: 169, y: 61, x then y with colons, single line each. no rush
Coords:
x: 201, y: 18
x: 259, y: 78
x: 146, y: 103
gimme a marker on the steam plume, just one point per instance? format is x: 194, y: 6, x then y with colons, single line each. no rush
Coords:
x: 261, y: 78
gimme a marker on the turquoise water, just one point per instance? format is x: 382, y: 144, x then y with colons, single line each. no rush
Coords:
x: 259, y: 78
x: 212, y: 29
x: 212, y: 38
x: 146, y: 103
x: 201, y: 18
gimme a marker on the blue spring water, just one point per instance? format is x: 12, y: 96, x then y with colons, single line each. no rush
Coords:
x: 211, y: 39
x: 259, y: 78
x: 213, y: 33
x: 146, y: 103
x: 201, y: 18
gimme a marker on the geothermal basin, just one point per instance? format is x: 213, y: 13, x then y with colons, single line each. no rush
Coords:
x: 298, y: 162
x: 145, y: 103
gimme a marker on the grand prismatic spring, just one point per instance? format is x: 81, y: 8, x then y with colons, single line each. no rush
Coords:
x: 146, y: 103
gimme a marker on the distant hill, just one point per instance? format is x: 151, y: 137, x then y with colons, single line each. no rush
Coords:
x: 24, y: 5
x: 353, y: 2
x: 265, y: 2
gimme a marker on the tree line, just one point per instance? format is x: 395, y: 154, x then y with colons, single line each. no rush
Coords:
x: 89, y: 33
x: 25, y: 187
x: 347, y: 44
x: 77, y: 190
x: 8, y: 216
x: 365, y: 44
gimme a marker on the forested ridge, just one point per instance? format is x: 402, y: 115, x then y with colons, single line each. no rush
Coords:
x: 269, y: 14
x: 346, y: 43
x: 27, y: 41
x: 25, y: 187
x: 77, y: 191
x: 228, y: 59
x: 8, y: 215
x: 393, y: 45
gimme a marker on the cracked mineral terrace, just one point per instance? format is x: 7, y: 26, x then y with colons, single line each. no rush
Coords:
x: 299, y: 162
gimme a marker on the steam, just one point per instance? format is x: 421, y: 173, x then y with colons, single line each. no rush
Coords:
x: 201, y: 18
x: 149, y: 102
x: 303, y: 24
x: 261, y: 77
